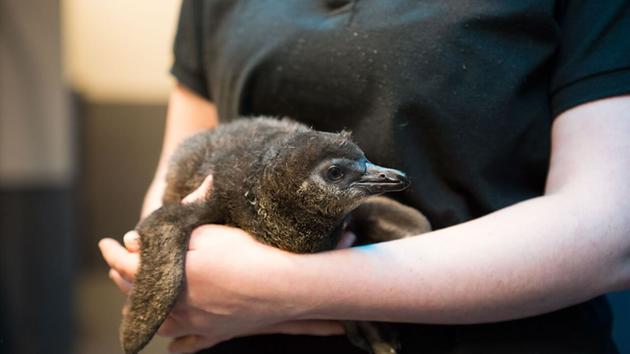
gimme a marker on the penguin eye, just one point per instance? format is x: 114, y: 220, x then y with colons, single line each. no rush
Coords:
x: 334, y: 173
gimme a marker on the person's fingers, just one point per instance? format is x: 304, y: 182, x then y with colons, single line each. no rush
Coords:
x: 132, y: 241
x: 194, y: 343
x: 201, y: 192
x: 171, y: 328
x: 305, y: 327
x: 122, y: 284
x: 347, y: 239
x: 190, y: 344
x: 119, y: 259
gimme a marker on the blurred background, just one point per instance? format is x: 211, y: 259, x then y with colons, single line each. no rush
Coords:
x: 83, y: 89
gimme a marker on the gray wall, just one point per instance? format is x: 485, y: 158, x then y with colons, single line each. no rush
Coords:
x: 36, y: 135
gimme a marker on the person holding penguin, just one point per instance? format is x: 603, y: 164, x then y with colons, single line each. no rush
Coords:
x: 511, y: 120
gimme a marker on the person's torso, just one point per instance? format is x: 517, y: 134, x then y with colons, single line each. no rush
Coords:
x: 454, y: 93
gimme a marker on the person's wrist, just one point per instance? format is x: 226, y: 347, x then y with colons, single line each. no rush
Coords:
x: 323, y: 285
x: 254, y: 278
x: 282, y: 286
x: 295, y: 292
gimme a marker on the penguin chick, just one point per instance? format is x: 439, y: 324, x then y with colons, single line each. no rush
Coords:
x: 287, y: 185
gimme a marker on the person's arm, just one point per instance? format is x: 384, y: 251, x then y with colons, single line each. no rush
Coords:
x: 543, y: 254
x: 188, y: 113
x: 565, y: 247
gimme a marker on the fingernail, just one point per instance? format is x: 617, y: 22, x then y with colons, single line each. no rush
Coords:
x: 131, y: 236
x: 101, y: 243
x: 131, y: 240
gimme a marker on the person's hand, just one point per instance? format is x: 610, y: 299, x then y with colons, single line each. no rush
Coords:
x: 223, y: 297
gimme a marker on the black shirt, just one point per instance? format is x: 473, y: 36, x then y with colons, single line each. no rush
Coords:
x: 460, y: 94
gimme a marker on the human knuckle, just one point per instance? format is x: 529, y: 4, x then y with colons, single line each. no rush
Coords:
x: 167, y: 329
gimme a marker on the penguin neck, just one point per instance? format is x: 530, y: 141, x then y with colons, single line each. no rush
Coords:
x: 297, y: 230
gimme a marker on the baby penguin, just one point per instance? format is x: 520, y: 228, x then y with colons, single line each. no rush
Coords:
x: 287, y: 185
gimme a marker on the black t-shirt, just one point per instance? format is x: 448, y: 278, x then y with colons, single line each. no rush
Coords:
x: 459, y: 94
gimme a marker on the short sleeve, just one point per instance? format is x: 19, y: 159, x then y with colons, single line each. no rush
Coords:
x: 593, y: 58
x: 188, y: 66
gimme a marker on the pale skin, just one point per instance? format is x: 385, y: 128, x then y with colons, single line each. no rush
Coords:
x: 543, y: 254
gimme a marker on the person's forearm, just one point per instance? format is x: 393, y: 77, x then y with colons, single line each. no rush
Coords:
x: 187, y: 114
x: 521, y: 268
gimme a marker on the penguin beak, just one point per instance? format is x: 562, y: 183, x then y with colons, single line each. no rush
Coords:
x: 377, y: 179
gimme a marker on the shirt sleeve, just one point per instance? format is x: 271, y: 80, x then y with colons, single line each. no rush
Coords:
x: 593, y: 59
x: 188, y: 66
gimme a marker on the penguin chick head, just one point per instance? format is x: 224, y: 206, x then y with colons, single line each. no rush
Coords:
x: 326, y: 174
